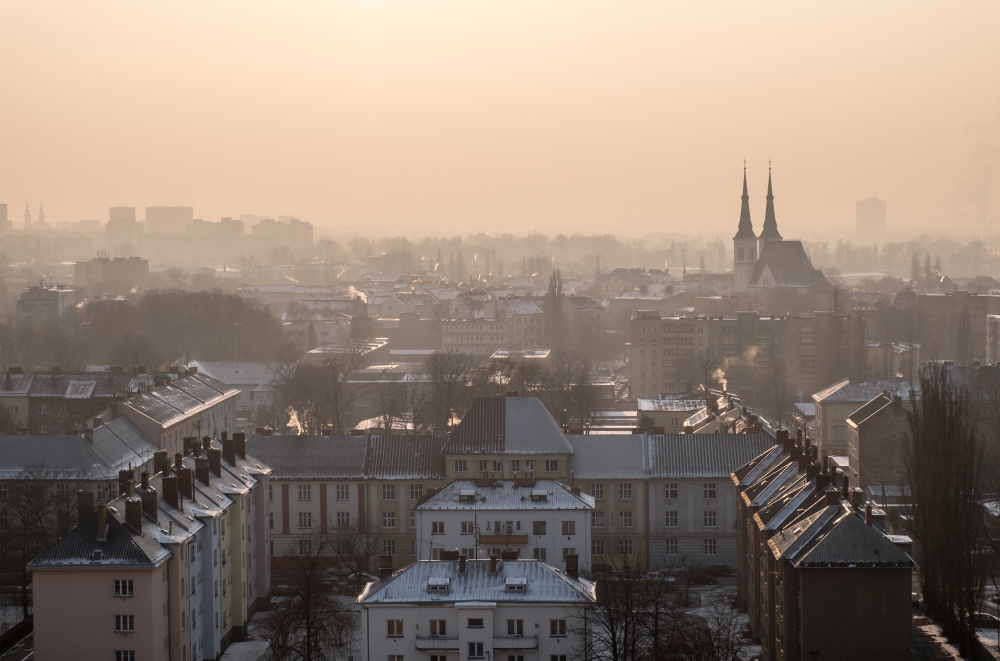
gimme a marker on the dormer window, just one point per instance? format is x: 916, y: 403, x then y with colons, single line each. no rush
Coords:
x: 467, y: 496
x: 539, y: 495
x: 438, y: 584
x: 516, y: 584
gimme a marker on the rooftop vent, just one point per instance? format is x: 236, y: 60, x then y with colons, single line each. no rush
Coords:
x: 539, y: 495
x: 516, y: 584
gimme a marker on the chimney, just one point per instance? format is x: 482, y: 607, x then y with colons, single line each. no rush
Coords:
x: 826, y: 465
x: 215, y: 461
x: 170, y: 490
x: 798, y: 436
x: 148, y: 496
x: 84, y: 506
x: 812, y: 470
x: 573, y: 565
x: 794, y: 453
x: 89, y: 435
x: 133, y: 513
x: 241, y: 444
x: 161, y: 462
x: 461, y: 563
x: 98, y: 421
x: 188, y: 444
x: 576, y: 491
x: 384, y: 566
x: 201, y: 469
x: 196, y: 448
x: 228, y: 449
x: 803, y: 461
x: 178, y: 461
x: 102, y: 522
x: 868, y: 514
x: 186, y: 477
x: 493, y: 563
x: 832, y: 496
x: 844, y: 486
x: 144, y: 479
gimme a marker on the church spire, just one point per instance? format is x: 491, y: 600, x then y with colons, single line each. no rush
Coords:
x: 770, y: 230
x: 27, y: 214
x: 745, y: 230
x: 41, y: 212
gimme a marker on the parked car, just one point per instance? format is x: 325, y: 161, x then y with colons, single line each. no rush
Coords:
x: 986, y: 621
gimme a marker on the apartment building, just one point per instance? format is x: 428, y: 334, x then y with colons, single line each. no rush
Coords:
x: 802, y: 351
x: 194, y: 405
x: 14, y: 396
x: 540, y: 519
x: 878, y: 435
x: 63, y: 402
x: 101, y: 269
x: 815, y: 562
x: 255, y: 381
x: 476, y: 609
x: 475, y: 335
x: 949, y: 326
x: 526, y: 322
x: 835, y: 404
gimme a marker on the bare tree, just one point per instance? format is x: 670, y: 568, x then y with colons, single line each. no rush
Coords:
x: 452, y: 384
x: 362, y: 249
x: 355, y: 543
x: 325, y: 394
x: 308, y: 621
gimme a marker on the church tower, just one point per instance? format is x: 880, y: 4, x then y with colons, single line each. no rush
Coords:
x: 41, y: 214
x: 27, y: 216
x: 770, y: 231
x: 744, y: 244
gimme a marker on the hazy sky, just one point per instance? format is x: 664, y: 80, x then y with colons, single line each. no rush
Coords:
x: 444, y: 116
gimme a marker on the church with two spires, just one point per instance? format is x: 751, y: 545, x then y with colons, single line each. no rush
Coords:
x: 768, y: 261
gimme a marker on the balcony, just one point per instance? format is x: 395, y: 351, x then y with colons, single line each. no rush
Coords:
x: 437, y: 643
x: 503, y: 540
x: 515, y: 642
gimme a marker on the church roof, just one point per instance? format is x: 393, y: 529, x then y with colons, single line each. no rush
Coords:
x: 789, y: 265
x: 745, y: 230
x: 770, y: 230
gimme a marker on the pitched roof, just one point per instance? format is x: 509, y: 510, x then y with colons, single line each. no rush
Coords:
x: 505, y: 495
x: 171, y: 403
x: 868, y: 410
x: 507, y: 424
x: 543, y: 584
x: 759, y: 465
x: 311, y: 457
x: 847, y: 390
x: 233, y: 373
x: 703, y: 455
x: 20, y: 384
x: 609, y: 456
x: 789, y: 265
x: 55, y: 456
x: 406, y: 456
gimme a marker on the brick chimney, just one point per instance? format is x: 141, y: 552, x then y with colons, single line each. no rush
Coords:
x: 832, y: 496
x: 186, y: 477
x: 241, y: 444
x: 384, y: 566
x: 149, y: 498
x: 201, y: 469
x: 84, y: 505
x: 133, y: 513
x: 461, y: 563
x: 102, y: 522
x: 493, y: 563
x: 215, y: 461
x: 189, y: 444
x: 573, y: 565
x: 196, y: 448
x: 170, y: 490
x: 144, y: 480
x: 178, y: 461
x: 228, y: 449
x: 161, y: 462
x: 812, y: 470
x: 868, y: 514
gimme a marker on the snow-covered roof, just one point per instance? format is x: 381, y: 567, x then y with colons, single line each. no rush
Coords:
x: 506, y: 495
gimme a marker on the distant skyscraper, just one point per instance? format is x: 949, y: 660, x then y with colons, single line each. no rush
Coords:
x: 121, y: 213
x: 168, y: 220
x: 871, y: 215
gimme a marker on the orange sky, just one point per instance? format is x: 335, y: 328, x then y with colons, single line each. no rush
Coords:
x: 451, y: 116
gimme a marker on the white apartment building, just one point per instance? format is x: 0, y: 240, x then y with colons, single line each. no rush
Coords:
x: 540, y: 519
x: 493, y: 610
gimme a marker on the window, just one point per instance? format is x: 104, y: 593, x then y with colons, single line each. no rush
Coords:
x: 671, y: 547
x: 671, y: 521
x: 461, y: 466
x: 439, y: 627
x: 43, y: 409
x: 529, y: 465
x: 270, y: 520
x: 388, y: 519
x: 475, y: 623
x: 394, y: 628
x: 515, y: 627
x: 124, y: 655
x: 124, y: 623
x: 483, y: 465
x: 597, y: 547
x: 388, y: 492
x: 557, y: 657
x: 397, y: 657
x: 568, y: 551
x: 416, y: 491
x: 597, y: 491
x: 709, y: 489
x: 437, y: 657
x: 343, y: 492
x: 305, y: 548
x: 537, y: 528
x: 569, y: 527
x: 476, y: 651
x: 305, y: 492
x: 625, y: 519
x: 551, y: 465
x: 468, y: 527
x: 305, y: 520
x: 515, y: 466
x: 388, y: 547
x: 123, y: 588
x: 540, y: 555
x: 710, y: 519
x: 597, y: 519
x: 557, y: 627
x: 437, y: 527
x: 671, y: 491
x: 343, y: 519
x: 625, y: 491
x: 710, y: 547
x: 625, y: 547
